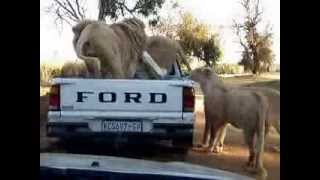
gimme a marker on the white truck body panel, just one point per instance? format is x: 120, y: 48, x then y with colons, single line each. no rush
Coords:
x: 120, y: 87
x: 93, y: 112
x: 144, y: 107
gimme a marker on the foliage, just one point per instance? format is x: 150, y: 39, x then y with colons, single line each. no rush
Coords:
x: 121, y: 8
x: 228, y: 69
x: 195, y: 37
x: 264, y: 56
x: 257, y: 55
x: 47, y: 72
x: 73, y: 11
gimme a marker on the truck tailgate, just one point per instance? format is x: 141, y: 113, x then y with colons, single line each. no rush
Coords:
x: 122, y: 96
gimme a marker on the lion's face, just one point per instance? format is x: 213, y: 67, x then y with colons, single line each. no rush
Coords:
x: 201, y: 75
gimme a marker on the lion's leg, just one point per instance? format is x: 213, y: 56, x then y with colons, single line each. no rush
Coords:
x: 249, y: 139
x: 260, y: 132
x: 277, y: 127
x: 110, y: 60
x: 259, y: 168
x: 92, y: 64
x: 206, y: 134
x: 93, y: 68
x: 215, y: 127
x: 219, y: 142
x: 112, y: 64
x: 214, y: 141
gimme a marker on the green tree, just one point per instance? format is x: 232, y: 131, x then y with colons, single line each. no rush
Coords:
x: 73, y: 11
x: 122, y: 8
x: 195, y: 37
x: 198, y: 40
x: 257, y: 54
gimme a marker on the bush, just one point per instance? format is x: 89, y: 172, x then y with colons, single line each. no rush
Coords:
x: 68, y: 69
x: 47, y: 72
x: 228, y: 69
x: 74, y: 70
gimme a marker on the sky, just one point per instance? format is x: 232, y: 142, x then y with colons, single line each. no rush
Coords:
x: 56, y: 46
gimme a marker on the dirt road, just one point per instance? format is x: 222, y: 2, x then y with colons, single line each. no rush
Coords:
x: 232, y: 159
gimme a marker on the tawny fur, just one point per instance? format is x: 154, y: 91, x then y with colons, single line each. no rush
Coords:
x: 163, y: 50
x: 243, y: 108
x: 166, y: 51
x: 272, y: 121
x: 114, y: 49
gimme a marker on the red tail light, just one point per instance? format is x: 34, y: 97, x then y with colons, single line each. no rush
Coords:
x: 54, y: 98
x: 188, y: 99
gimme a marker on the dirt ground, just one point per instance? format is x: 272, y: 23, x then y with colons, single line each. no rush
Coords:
x: 235, y: 152
x: 232, y: 159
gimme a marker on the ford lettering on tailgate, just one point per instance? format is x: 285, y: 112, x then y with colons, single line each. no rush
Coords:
x: 129, y: 97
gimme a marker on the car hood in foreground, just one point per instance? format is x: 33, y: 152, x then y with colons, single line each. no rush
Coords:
x: 117, y: 168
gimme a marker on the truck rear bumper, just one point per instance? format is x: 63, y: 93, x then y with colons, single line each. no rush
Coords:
x: 82, y: 131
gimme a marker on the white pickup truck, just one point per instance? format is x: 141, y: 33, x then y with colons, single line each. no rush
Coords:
x: 127, y: 108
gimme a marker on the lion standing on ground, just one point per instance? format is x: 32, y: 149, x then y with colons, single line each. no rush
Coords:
x: 244, y: 109
x: 273, y: 117
x: 115, y: 49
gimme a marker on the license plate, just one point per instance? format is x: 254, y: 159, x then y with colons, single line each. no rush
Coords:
x: 122, y: 126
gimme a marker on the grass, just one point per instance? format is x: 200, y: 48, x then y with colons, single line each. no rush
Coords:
x: 47, y: 72
x: 44, y: 90
x: 250, y: 80
x: 270, y: 80
x: 275, y: 84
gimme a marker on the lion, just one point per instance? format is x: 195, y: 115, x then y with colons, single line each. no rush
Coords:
x: 115, y: 49
x: 74, y: 69
x: 166, y: 51
x: 273, y: 120
x: 242, y: 108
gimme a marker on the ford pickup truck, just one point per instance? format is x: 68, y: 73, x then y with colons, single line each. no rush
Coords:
x: 110, y: 109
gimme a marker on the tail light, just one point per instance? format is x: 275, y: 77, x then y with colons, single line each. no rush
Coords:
x: 54, y: 98
x: 188, y: 99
